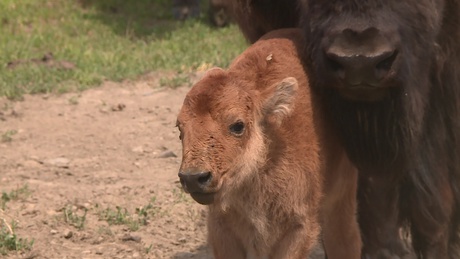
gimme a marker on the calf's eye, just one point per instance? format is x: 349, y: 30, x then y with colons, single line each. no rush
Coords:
x: 237, y: 128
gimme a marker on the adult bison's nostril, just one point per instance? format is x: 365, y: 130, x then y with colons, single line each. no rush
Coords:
x: 361, y: 69
x: 360, y: 58
x: 386, y: 63
x: 195, y: 182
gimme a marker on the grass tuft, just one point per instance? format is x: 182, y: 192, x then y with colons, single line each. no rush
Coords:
x: 9, y: 241
x: 121, y: 216
x: 7, y: 136
x: 16, y: 194
x: 71, y: 217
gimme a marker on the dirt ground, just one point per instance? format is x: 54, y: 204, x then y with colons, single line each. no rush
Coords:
x: 111, y: 147
x: 112, y: 152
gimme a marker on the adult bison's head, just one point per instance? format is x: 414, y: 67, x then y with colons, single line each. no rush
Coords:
x: 221, y: 128
x: 368, y: 49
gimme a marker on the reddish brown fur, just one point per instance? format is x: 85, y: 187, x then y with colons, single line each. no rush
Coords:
x: 273, y: 185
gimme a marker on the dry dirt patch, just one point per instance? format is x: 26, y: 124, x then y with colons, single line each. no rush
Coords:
x: 100, y: 168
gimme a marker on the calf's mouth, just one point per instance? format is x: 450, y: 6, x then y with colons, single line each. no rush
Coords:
x: 199, y: 184
x: 203, y: 198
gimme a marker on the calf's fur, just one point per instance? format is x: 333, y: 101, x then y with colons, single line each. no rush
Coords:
x: 283, y: 178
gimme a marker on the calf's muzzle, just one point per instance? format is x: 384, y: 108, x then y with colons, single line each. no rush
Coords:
x: 197, y: 183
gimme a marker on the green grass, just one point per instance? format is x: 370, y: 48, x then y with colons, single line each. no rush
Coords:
x: 16, y: 194
x: 177, y: 80
x: 71, y: 217
x: 121, y: 216
x: 9, y: 241
x: 7, y: 136
x: 101, y: 40
x: 180, y: 196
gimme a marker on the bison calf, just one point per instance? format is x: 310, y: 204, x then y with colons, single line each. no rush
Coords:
x: 256, y: 150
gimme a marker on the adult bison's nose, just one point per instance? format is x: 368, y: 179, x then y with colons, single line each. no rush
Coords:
x: 195, y: 181
x: 360, y: 59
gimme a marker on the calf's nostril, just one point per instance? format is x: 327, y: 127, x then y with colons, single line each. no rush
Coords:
x: 195, y: 182
x: 205, y: 177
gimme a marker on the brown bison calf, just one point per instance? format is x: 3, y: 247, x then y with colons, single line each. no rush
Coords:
x: 256, y: 150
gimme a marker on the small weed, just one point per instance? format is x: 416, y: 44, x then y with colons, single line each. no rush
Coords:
x: 117, y: 217
x: 103, y: 230
x: 9, y: 241
x: 194, y: 215
x: 150, y: 209
x: 19, y: 193
x: 148, y: 248
x: 143, y: 213
x: 74, y: 100
x: 180, y: 196
x: 121, y: 216
x: 176, y: 81
x: 8, y: 135
x: 6, y: 107
x: 71, y: 217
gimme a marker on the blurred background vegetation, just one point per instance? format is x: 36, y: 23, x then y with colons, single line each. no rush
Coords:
x: 69, y: 45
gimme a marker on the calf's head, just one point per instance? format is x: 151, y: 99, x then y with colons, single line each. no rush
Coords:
x: 221, y: 125
x: 366, y: 48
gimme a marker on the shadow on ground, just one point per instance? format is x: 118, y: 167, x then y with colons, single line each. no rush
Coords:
x: 202, y: 252
x: 138, y: 19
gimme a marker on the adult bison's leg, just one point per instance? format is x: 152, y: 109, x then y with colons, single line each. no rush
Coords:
x: 378, y: 213
x: 431, y: 205
x: 430, y: 236
x: 341, y: 235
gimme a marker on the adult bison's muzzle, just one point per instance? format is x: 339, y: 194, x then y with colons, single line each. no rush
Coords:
x: 362, y: 62
x: 198, y: 184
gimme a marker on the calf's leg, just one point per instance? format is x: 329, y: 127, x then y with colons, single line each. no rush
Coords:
x: 222, y: 240
x: 296, y: 244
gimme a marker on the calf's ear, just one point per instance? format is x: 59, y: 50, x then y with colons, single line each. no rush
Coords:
x: 279, y: 100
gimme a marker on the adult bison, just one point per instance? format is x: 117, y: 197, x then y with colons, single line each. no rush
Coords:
x: 389, y: 75
x: 257, y: 151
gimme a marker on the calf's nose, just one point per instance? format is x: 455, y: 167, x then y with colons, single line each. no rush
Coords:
x: 195, y: 182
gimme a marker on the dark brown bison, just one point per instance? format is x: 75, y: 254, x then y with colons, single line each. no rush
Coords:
x: 256, y: 150
x: 389, y: 75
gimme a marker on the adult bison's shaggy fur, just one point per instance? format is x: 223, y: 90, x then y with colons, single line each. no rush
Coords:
x: 256, y: 149
x: 389, y: 75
